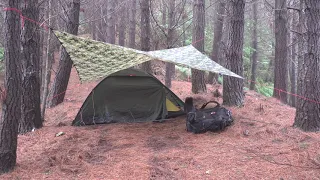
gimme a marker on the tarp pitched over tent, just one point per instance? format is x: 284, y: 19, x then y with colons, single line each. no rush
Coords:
x: 94, y: 60
x: 190, y: 56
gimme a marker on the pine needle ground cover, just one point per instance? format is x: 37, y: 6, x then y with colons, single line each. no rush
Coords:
x: 260, y: 145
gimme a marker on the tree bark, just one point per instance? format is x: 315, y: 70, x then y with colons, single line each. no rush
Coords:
x: 164, y: 13
x: 102, y: 25
x: 30, y: 51
x: 43, y: 47
x: 217, y: 35
x: 281, y: 51
x: 301, y: 43
x: 254, y: 45
x: 94, y: 30
x: 93, y: 24
x: 293, y: 74
x: 65, y: 64
x: 170, y: 67
x: 132, y: 28
x: 233, y: 94
x: 11, y: 94
x: 225, y: 35
x: 270, y: 76
x: 55, y: 23
x: 198, y: 80
x: 122, y: 25
x: 48, y: 63
x: 145, y: 32
x: 111, y: 34
x: 308, y: 110
x: 184, y: 29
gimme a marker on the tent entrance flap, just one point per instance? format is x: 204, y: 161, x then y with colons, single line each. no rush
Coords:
x: 171, y: 106
x: 129, y: 95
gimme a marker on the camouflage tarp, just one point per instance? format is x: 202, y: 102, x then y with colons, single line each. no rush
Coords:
x: 190, y: 56
x: 94, y: 59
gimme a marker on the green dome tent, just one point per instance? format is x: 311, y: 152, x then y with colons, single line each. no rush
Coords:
x: 129, y: 95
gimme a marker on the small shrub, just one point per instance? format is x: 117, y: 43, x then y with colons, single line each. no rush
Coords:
x: 183, y: 72
x: 265, y: 89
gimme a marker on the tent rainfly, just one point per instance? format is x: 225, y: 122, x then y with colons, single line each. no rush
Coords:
x: 128, y: 95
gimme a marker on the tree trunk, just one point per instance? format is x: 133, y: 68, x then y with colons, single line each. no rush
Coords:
x: 308, y: 108
x: 164, y: 13
x: 132, y: 28
x: 281, y: 51
x: 111, y: 34
x: 43, y: 47
x: 94, y: 30
x: 254, y: 45
x: 122, y: 25
x: 65, y: 64
x: 93, y: 24
x: 48, y: 63
x: 11, y: 94
x: 270, y: 76
x: 225, y: 35
x: 293, y: 75
x: 198, y: 80
x: 41, y: 50
x: 55, y: 23
x: 301, y: 43
x: 184, y: 29
x: 30, y: 51
x: 102, y: 25
x: 145, y: 32
x: 233, y: 94
x: 170, y: 67
x: 217, y: 35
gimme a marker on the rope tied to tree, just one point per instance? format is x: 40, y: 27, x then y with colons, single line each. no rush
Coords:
x: 23, y: 18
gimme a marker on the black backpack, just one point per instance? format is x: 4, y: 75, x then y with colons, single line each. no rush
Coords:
x: 203, y: 120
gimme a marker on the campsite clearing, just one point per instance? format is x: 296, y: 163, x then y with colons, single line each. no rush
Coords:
x: 260, y: 145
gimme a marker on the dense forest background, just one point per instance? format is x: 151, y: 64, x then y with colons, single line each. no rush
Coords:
x: 94, y: 17
x: 270, y: 43
x: 171, y: 23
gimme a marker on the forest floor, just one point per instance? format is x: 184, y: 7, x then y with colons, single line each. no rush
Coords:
x: 262, y: 144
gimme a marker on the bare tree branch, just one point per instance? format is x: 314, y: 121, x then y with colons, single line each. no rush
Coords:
x: 293, y: 8
x: 157, y: 23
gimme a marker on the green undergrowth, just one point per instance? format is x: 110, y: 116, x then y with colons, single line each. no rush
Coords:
x: 264, y: 88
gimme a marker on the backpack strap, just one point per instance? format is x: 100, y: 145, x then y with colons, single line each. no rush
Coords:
x: 205, y: 104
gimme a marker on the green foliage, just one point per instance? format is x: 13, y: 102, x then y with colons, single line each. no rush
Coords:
x: 264, y: 54
x: 208, y: 40
x: 183, y: 72
x: 220, y: 79
x: 189, y: 41
x: 247, y: 53
x: 264, y: 88
x: 1, y: 54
